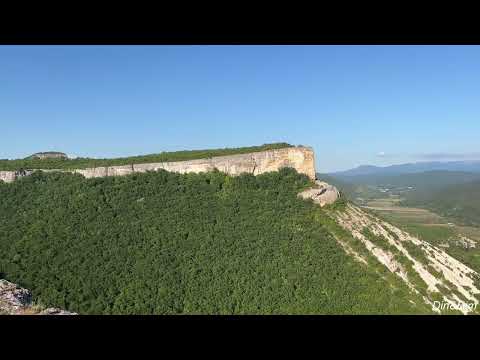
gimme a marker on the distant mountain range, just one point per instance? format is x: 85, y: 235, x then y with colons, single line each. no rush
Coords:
x: 465, y: 166
x: 451, y: 189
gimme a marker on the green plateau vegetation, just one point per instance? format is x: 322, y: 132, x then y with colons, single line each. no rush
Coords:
x: 83, y: 163
x: 167, y: 243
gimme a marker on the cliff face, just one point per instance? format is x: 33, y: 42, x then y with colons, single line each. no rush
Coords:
x: 322, y: 194
x: 7, y: 176
x: 300, y: 158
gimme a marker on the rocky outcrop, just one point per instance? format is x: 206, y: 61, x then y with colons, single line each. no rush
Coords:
x: 322, y: 194
x: 8, y: 176
x: 300, y: 158
x: 15, y: 300
x: 49, y: 155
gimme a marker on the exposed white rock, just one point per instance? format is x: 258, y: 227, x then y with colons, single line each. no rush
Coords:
x: 448, y: 272
x: 54, y: 311
x: 7, y: 176
x: 15, y: 300
x: 322, y: 194
x: 300, y: 158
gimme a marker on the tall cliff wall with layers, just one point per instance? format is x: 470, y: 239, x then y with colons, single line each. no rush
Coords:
x: 300, y: 158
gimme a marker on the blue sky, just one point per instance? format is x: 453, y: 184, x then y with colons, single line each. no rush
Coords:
x: 353, y: 104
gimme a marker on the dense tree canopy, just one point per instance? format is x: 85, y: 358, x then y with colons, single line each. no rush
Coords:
x: 166, y: 243
x: 83, y: 163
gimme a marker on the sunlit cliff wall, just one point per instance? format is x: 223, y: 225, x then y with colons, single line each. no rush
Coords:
x: 300, y: 158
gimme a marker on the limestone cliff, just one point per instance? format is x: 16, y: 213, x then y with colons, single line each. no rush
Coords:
x: 322, y: 194
x: 300, y: 158
x: 7, y: 176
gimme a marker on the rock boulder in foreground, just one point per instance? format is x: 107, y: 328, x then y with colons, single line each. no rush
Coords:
x: 15, y: 300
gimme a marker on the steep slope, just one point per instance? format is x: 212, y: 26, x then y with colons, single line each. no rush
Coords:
x: 165, y: 243
x: 169, y: 243
x: 426, y: 269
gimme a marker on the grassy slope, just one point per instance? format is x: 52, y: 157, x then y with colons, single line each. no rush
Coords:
x: 197, y: 243
x: 82, y: 163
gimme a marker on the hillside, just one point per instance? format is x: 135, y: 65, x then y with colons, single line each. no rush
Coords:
x: 453, y: 194
x: 460, y: 202
x: 422, y: 180
x: 416, y: 188
x: 441, y: 207
x: 83, y: 163
x: 166, y: 243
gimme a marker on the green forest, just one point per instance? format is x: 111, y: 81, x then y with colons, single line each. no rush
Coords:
x: 167, y: 243
x: 83, y: 163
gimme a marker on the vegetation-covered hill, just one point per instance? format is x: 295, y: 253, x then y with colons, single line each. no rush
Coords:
x: 453, y: 194
x: 424, y: 180
x: 166, y: 243
x: 83, y: 163
x: 460, y: 202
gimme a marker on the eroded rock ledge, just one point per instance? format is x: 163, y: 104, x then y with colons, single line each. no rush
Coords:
x: 322, y: 194
x: 15, y: 300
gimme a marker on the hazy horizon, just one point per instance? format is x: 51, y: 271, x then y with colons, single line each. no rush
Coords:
x: 355, y: 105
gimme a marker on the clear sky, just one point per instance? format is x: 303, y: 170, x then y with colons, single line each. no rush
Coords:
x: 353, y: 104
